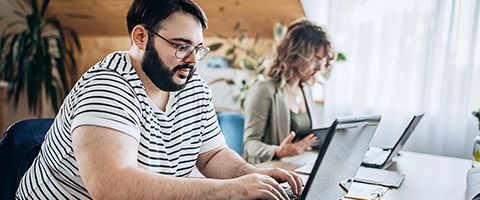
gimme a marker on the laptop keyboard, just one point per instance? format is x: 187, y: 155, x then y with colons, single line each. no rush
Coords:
x: 290, y: 193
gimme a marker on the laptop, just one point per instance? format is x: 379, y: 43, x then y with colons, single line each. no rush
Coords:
x: 378, y: 157
x: 339, y: 157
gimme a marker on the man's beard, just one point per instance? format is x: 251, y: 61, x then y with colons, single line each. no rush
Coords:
x: 159, y: 73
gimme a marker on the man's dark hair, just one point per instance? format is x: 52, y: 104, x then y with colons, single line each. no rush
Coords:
x: 152, y: 12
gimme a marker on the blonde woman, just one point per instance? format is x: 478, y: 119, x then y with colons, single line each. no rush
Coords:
x: 277, y: 108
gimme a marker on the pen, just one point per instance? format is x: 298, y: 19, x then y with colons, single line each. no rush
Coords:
x: 343, y: 185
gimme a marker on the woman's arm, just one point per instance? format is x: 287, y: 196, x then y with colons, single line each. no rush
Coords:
x: 257, y: 114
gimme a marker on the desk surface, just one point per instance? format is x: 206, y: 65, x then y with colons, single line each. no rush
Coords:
x: 426, y: 176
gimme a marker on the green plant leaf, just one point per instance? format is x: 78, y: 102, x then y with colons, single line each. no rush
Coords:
x: 14, y: 45
x: 62, y: 72
x: 34, y: 5
x: 54, y: 97
x: 57, y: 27
x: 249, y: 63
x: 18, y: 80
x: 14, y: 23
x: 74, y: 36
x: 3, y: 42
x: 73, y: 64
x: 44, y: 7
x: 477, y: 114
x: 341, y: 57
x: 215, y: 46
x: 19, y: 14
x: 237, y: 25
x: 21, y: 5
x: 256, y: 40
x: 243, y: 37
x: 230, y: 51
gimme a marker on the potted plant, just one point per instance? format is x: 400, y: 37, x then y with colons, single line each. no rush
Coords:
x: 39, y: 58
x: 476, y: 114
x: 476, y: 143
x: 242, y: 55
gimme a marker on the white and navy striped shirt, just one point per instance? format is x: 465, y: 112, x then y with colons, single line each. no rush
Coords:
x: 110, y: 94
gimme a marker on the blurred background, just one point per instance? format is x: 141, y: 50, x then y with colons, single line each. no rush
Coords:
x: 396, y: 58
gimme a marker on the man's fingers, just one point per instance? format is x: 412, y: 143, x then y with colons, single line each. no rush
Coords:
x: 267, y: 194
x: 275, y: 191
x: 293, y: 183
x: 299, y: 182
x: 274, y: 184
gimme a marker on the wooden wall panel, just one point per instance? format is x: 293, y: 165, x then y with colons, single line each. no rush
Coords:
x: 107, y: 17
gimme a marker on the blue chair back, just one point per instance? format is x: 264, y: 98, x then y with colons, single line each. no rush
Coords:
x: 231, y: 124
x: 18, y: 148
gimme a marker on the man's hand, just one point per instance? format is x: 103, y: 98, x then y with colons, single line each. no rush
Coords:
x: 264, y: 184
x: 280, y: 175
x: 255, y: 186
x: 288, y: 148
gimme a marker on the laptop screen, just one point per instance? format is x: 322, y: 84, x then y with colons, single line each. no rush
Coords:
x: 403, y: 139
x: 340, y: 156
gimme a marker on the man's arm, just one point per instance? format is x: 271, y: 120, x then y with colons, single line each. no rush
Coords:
x: 224, y: 163
x: 107, y: 161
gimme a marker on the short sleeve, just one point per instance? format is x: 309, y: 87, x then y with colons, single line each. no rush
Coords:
x: 211, y: 136
x: 106, y: 99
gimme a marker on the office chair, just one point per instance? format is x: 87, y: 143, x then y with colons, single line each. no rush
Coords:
x: 231, y: 124
x: 18, y: 148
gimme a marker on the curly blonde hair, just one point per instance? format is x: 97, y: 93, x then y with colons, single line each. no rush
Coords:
x: 298, y: 47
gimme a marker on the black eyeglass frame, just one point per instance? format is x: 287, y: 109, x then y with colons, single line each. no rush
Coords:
x: 204, y: 51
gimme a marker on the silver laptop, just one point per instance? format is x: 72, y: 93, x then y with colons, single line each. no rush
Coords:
x: 339, y: 157
x: 381, y: 157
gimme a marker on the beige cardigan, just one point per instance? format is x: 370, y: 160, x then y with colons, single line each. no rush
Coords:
x: 267, y: 120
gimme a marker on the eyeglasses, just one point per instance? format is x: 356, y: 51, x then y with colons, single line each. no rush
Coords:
x: 185, y: 50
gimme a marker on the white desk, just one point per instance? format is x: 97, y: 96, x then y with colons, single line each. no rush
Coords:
x: 426, y: 176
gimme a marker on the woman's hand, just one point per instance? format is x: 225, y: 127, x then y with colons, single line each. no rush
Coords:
x: 288, y: 148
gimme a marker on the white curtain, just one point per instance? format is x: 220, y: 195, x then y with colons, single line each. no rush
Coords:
x: 406, y: 57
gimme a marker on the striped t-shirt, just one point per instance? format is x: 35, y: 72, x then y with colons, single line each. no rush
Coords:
x: 110, y: 94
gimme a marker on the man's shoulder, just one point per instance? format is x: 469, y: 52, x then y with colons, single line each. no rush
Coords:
x: 103, y: 75
x: 115, y: 65
x: 117, y: 61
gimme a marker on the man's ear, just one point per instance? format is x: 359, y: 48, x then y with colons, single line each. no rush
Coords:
x: 139, y: 37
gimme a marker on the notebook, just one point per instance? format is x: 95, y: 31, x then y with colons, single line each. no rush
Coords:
x: 379, y: 177
x: 380, y: 157
x: 362, y: 191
